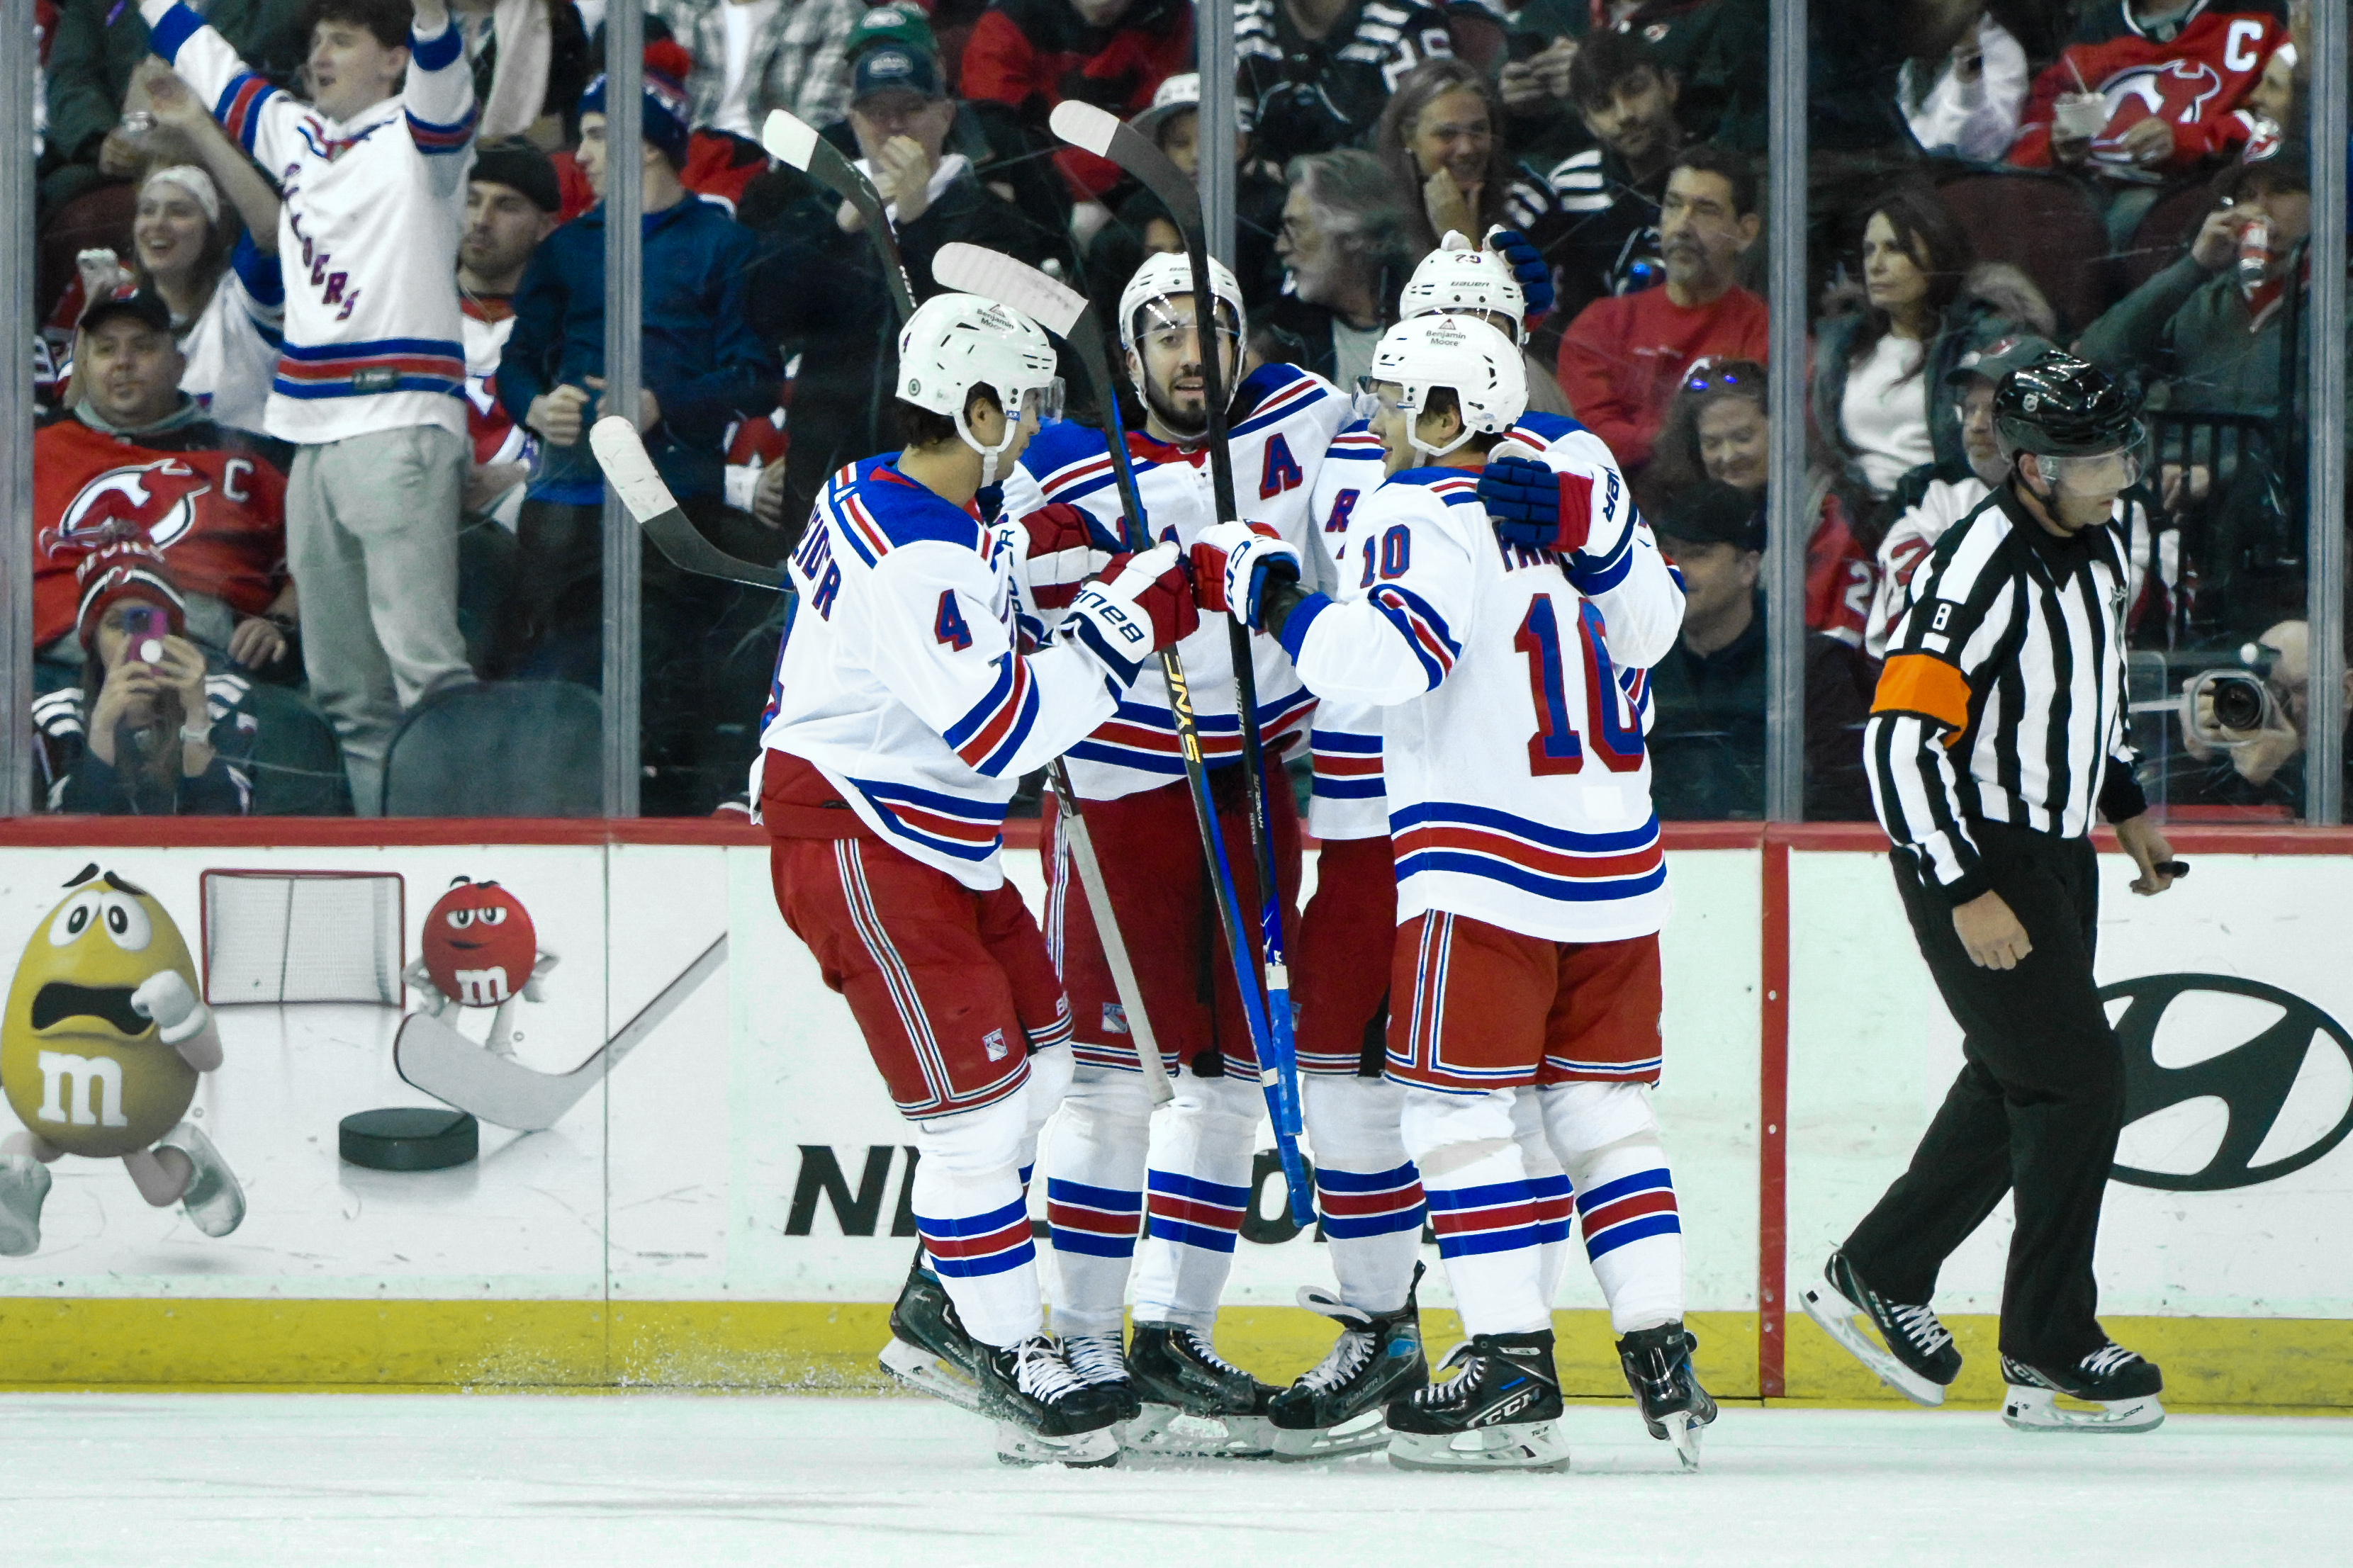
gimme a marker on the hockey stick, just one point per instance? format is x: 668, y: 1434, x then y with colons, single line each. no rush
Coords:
x: 1066, y: 315
x: 431, y: 1056
x: 791, y: 138
x: 795, y: 142
x: 622, y: 455
x: 1106, y: 136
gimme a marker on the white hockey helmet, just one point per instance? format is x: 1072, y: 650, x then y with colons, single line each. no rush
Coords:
x: 954, y: 342
x: 1462, y: 278
x: 1480, y: 364
x: 1170, y: 276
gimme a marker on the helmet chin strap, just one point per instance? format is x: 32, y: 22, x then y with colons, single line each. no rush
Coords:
x: 1413, y: 433
x: 989, y: 454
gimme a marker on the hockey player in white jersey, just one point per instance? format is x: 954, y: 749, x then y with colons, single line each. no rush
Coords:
x: 904, y: 711
x: 1194, y: 1184
x: 1530, y: 886
x: 1368, y: 1192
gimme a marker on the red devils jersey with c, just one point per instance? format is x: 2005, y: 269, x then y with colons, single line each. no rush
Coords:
x: 2197, y: 82
x: 215, y: 508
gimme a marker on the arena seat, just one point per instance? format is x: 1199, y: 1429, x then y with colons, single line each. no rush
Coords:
x: 2045, y: 226
x: 2163, y: 235
x: 509, y: 748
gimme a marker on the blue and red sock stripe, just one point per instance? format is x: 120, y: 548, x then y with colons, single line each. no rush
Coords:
x: 1553, y: 1201
x: 1357, y: 1204
x: 1500, y: 1216
x: 1102, y: 1222
x: 1195, y: 1213
x: 985, y: 1244
x: 1628, y: 1209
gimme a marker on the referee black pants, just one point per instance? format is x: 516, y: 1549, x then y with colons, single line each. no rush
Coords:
x: 2035, y: 1111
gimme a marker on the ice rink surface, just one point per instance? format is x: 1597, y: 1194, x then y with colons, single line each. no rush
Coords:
x: 649, y: 1482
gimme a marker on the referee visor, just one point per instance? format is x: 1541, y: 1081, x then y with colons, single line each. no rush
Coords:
x: 2092, y: 473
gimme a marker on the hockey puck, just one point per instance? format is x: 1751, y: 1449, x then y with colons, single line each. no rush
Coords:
x: 410, y: 1138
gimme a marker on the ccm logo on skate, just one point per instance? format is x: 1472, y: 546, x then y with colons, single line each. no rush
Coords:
x: 2280, y: 1092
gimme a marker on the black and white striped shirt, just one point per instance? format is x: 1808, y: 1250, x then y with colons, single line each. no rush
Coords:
x: 2003, y: 695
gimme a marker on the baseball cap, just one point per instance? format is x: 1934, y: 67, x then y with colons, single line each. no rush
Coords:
x: 1716, y: 513
x: 894, y: 68
x: 1998, y: 359
x: 903, y: 25
x: 127, y: 299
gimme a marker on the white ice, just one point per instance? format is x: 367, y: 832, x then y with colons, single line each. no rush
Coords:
x: 647, y: 1480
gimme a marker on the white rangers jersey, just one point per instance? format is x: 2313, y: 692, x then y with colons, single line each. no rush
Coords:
x: 232, y: 346
x: 1277, y: 446
x: 1518, y: 786
x: 371, y: 214
x: 899, y: 678
x: 1625, y: 576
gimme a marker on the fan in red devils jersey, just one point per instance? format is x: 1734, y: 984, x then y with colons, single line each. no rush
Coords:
x: 1030, y: 55
x: 2174, y: 80
x: 138, y: 450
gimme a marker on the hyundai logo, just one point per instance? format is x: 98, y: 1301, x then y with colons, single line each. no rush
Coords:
x: 2252, y: 1079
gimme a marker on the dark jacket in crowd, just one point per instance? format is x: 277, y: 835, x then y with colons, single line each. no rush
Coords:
x: 100, y: 43
x: 818, y: 291
x: 1707, y: 741
x: 703, y: 360
x: 75, y: 779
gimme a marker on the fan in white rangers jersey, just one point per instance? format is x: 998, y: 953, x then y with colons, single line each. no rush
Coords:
x: 1369, y: 1194
x: 1140, y: 814
x: 1531, y: 887
x: 904, y: 713
x: 370, y: 384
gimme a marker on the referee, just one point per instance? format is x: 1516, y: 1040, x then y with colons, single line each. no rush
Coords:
x: 1997, y: 734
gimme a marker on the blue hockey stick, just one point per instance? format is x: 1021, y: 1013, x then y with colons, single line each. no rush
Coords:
x: 1068, y: 315
x: 1106, y: 136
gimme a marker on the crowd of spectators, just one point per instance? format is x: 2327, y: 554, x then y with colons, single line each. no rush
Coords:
x: 321, y: 289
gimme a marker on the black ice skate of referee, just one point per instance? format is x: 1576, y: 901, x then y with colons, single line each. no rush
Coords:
x: 1997, y: 735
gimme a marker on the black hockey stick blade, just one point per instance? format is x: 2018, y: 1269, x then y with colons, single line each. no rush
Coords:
x: 795, y: 142
x: 639, y: 485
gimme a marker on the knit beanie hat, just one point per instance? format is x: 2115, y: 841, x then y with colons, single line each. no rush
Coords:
x: 123, y: 565
x: 668, y: 122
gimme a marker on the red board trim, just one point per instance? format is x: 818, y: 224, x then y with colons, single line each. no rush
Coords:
x: 1772, y: 1116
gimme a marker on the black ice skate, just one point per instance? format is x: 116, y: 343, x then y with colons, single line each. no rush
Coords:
x: 2113, y: 1377
x: 1498, y: 1411
x: 1044, y: 1414
x: 1914, y: 1353
x: 929, y: 1351
x: 1339, y: 1406
x: 1197, y: 1404
x: 1101, y: 1363
x: 1658, y: 1370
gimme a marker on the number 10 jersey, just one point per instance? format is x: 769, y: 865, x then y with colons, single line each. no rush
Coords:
x: 1518, y: 786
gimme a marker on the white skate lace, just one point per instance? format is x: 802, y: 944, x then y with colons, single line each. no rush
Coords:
x: 1348, y: 1355
x: 1206, y: 1353
x: 1039, y: 1371
x: 2109, y: 1358
x: 1095, y: 1358
x: 1921, y: 1327
x: 1446, y: 1382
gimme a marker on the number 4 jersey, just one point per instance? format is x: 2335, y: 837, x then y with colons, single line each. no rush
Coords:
x: 1518, y: 787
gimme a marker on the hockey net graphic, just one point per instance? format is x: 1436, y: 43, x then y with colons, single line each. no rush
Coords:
x: 302, y: 936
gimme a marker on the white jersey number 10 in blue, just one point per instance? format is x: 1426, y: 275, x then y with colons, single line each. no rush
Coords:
x: 1555, y: 747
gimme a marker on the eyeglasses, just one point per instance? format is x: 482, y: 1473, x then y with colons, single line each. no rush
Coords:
x: 1713, y: 372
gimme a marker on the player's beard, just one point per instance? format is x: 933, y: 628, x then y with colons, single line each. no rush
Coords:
x: 1183, y: 425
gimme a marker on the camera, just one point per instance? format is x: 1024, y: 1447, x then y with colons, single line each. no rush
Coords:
x: 2240, y: 699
